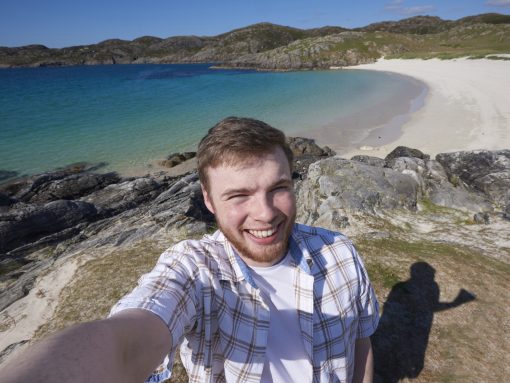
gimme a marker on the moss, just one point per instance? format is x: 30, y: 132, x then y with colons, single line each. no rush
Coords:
x: 381, y: 274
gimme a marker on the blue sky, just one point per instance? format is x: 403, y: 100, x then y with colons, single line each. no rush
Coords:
x: 59, y: 23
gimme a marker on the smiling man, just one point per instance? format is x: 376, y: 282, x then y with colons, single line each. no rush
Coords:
x: 263, y: 299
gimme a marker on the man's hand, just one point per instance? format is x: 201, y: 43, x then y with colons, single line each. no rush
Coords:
x: 124, y: 348
x: 363, y: 361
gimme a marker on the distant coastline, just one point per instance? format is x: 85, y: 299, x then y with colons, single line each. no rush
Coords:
x: 266, y: 46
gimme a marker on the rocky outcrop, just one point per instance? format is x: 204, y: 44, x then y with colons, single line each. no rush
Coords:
x: 336, y: 188
x: 481, y: 171
x: 306, y: 146
x: 24, y: 223
x: 476, y: 182
x: 175, y: 159
x: 70, y: 183
x: 76, y: 209
x: 403, y: 151
x: 101, y: 210
x: 116, y: 198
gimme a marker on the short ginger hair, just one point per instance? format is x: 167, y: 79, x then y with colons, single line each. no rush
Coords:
x: 237, y: 139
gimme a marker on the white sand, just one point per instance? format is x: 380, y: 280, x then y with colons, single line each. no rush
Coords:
x: 467, y: 107
x: 22, y: 318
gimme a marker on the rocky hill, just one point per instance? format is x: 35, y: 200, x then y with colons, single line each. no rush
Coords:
x: 274, y: 47
x: 73, y: 241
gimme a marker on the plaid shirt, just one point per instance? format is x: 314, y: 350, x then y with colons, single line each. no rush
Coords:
x: 207, y: 297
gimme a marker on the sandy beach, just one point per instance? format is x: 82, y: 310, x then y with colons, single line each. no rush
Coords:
x: 466, y: 107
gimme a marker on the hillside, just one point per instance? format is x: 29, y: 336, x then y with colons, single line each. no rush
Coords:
x: 275, y: 47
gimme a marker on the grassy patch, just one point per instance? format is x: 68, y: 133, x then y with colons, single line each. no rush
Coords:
x: 99, y: 284
x: 381, y: 274
x: 468, y: 341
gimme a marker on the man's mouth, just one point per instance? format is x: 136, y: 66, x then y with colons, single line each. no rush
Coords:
x: 262, y: 233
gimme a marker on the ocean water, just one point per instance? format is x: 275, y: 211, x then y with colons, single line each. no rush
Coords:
x: 131, y: 115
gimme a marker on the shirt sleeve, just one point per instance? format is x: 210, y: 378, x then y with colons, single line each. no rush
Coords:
x: 367, y: 305
x: 168, y: 291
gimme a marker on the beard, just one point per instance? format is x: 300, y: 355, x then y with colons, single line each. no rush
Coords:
x: 260, y: 253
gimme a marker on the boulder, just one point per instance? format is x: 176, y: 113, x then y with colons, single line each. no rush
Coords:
x: 71, y: 187
x: 412, y: 166
x: 369, y: 160
x: 181, y: 204
x: 339, y: 185
x: 403, y: 151
x: 485, y: 171
x: 70, y: 183
x: 435, y: 185
x: 116, y: 198
x: 442, y: 192
x: 175, y: 159
x: 306, y: 146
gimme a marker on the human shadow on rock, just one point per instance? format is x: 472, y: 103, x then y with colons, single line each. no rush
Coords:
x: 401, y: 339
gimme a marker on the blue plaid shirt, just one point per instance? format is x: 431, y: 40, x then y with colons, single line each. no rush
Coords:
x: 207, y: 297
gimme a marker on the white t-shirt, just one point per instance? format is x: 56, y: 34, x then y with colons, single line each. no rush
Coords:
x: 286, y: 358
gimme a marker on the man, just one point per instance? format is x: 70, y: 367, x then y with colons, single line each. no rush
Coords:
x: 261, y: 300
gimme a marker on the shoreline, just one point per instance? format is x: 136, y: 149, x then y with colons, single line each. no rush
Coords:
x: 466, y: 107
x: 374, y: 126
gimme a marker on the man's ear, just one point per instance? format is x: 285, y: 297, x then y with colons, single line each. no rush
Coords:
x: 207, y: 200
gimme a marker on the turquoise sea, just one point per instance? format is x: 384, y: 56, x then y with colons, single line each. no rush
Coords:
x: 131, y: 115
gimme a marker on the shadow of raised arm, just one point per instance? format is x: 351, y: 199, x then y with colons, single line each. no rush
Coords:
x: 462, y: 297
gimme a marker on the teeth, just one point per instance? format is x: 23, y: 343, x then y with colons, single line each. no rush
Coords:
x: 262, y: 233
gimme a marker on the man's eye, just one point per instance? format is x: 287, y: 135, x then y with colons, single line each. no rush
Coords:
x: 236, y: 196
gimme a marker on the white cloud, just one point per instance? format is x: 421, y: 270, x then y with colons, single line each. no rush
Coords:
x: 397, y: 6
x: 499, y: 3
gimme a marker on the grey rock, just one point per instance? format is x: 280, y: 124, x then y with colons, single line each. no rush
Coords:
x: 25, y: 279
x: 482, y: 218
x: 370, y: 160
x: 336, y: 184
x: 11, y: 348
x: 481, y: 170
x: 70, y: 183
x: 71, y: 187
x: 5, y: 200
x: 442, y: 192
x: 181, y: 204
x: 23, y: 223
x: 116, y: 198
x: 412, y: 166
x: 306, y: 146
x: 403, y: 151
x: 175, y: 159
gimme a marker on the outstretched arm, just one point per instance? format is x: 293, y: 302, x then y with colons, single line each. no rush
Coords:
x: 363, y: 361
x: 124, y: 348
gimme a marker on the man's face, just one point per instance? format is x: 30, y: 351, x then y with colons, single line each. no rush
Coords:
x: 254, y: 205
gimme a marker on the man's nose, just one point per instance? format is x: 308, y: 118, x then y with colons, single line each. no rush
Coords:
x: 263, y: 209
